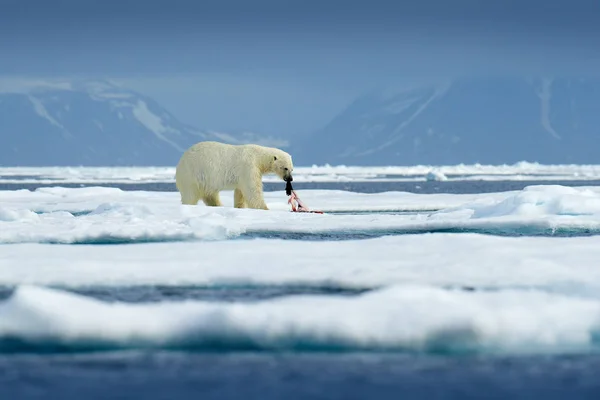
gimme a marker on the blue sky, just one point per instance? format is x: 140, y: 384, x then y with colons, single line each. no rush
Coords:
x: 287, y: 67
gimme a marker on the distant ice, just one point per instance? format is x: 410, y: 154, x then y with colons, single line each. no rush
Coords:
x: 436, y: 176
x: 402, y: 318
x: 325, y: 173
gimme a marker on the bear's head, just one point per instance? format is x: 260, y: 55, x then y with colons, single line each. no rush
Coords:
x: 282, y: 166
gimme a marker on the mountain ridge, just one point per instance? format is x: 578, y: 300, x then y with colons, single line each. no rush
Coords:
x: 95, y: 123
x: 469, y: 120
x: 501, y: 120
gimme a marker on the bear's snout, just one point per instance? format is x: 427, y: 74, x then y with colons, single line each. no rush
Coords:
x: 287, y: 175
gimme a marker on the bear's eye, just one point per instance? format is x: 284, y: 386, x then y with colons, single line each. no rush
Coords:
x: 274, y: 158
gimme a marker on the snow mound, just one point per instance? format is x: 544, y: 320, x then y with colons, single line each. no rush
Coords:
x: 535, y: 201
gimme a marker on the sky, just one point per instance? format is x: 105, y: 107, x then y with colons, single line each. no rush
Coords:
x: 288, y: 67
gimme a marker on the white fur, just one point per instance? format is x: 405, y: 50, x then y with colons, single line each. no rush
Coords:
x: 207, y: 168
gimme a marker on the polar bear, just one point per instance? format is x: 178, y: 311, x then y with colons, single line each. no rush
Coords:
x: 207, y: 168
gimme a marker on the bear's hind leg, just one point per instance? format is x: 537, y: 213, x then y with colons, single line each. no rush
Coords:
x: 238, y: 199
x: 212, y: 200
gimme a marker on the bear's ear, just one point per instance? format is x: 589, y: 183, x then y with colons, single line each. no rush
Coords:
x: 274, y: 158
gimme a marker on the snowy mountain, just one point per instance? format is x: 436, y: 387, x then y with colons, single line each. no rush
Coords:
x: 485, y: 120
x: 94, y: 123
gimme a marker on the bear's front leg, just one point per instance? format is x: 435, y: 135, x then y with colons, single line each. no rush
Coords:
x: 253, y: 194
x: 212, y: 200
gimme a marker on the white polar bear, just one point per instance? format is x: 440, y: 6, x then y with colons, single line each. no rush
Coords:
x: 207, y: 168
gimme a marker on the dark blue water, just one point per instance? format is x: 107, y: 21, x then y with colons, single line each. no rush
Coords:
x: 228, y: 293
x: 173, y: 375
x: 510, y: 231
x: 160, y: 374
